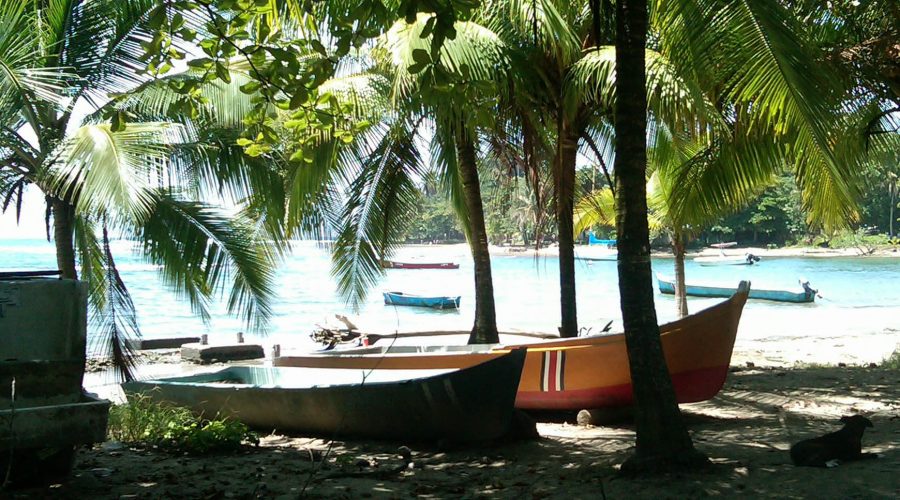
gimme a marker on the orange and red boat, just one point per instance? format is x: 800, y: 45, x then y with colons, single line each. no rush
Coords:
x: 578, y: 373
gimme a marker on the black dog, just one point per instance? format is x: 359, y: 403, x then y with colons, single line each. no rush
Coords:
x: 845, y: 444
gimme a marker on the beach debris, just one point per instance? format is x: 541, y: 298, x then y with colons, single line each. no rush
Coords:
x: 378, y: 473
x: 331, y: 335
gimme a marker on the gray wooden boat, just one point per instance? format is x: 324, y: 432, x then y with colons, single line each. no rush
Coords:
x: 469, y: 404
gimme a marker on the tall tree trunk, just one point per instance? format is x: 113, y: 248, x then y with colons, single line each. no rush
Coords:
x: 564, y: 179
x: 893, y: 189
x: 485, y: 329
x: 662, y: 438
x: 680, y: 286
x: 63, y: 227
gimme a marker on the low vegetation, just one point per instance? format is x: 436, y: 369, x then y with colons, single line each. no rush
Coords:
x: 892, y: 361
x: 144, y: 422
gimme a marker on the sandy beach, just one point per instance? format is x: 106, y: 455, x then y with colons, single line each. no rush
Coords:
x: 746, y: 431
x: 781, y: 389
x: 793, y: 251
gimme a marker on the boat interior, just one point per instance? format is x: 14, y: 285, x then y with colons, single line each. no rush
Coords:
x: 293, y: 378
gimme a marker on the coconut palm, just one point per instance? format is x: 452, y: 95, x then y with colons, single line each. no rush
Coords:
x: 425, y: 95
x: 565, y: 71
x: 105, y: 179
x: 668, y: 157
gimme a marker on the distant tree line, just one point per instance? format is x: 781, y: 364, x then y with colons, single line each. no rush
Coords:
x: 773, y: 218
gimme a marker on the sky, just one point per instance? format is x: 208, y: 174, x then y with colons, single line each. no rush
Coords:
x: 31, y: 225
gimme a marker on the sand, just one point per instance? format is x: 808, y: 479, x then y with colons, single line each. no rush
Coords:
x: 746, y: 431
x: 793, y: 251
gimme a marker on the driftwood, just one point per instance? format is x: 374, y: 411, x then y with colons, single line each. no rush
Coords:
x: 331, y: 336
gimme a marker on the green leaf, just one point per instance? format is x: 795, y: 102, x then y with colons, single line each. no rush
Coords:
x: 202, y: 63
x: 222, y: 72
x: 421, y: 56
x: 416, y: 68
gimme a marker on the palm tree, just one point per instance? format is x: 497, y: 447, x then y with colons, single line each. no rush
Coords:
x: 438, y: 92
x: 764, y: 76
x: 131, y: 181
x: 669, y: 158
x: 662, y: 438
x: 565, y: 71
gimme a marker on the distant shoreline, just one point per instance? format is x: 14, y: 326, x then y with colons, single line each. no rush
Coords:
x: 811, y: 252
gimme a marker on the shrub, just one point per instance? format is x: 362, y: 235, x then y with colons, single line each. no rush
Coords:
x: 892, y: 361
x: 144, y: 422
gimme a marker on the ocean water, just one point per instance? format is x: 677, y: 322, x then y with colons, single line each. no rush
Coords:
x: 861, y: 296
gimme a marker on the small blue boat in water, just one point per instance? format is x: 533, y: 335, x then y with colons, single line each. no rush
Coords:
x: 405, y: 299
x: 807, y: 294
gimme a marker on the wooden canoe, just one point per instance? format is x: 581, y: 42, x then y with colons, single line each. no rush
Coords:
x: 578, y: 373
x: 468, y: 404
x: 389, y: 264
x: 804, y: 295
x: 405, y: 299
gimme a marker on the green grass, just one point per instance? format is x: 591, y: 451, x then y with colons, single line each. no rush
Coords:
x: 892, y: 361
x: 144, y: 422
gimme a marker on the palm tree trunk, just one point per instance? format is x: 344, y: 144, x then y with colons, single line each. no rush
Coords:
x: 680, y: 286
x: 893, y: 190
x: 63, y: 226
x: 564, y: 178
x: 485, y: 329
x: 662, y: 438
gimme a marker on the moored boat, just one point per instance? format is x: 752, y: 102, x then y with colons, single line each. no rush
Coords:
x: 606, y: 257
x: 436, y: 302
x: 583, y: 372
x: 389, y: 264
x: 726, y: 260
x: 470, y: 404
x: 805, y: 294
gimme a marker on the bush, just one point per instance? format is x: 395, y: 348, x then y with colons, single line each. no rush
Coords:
x: 144, y: 422
x: 892, y: 361
x: 861, y: 239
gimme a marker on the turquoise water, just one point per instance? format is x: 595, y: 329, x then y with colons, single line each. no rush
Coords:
x: 861, y: 295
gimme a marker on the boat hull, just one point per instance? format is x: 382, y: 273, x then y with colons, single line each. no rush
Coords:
x: 419, y: 265
x: 457, y: 405
x: 600, y: 258
x: 399, y: 299
x: 587, y: 372
x: 668, y: 287
x: 723, y: 262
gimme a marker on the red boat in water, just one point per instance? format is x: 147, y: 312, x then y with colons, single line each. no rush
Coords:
x: 389, y: 264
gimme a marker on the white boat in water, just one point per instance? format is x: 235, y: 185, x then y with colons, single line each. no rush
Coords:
x: 728, y: 260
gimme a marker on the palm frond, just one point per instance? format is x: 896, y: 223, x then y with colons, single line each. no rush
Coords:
x: 553, y: 26
x: 476, y: 53
x: 707, y: 177
x: 103, y: 169
x: 101, y: 41
x: 671, y: 98
x: 200, y: 249
x: 595, y: 209
x: 116, y: 321
x: 779, y: 83
x: 446, y: 164
x: 380, y: 202
x: 25, y: 80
